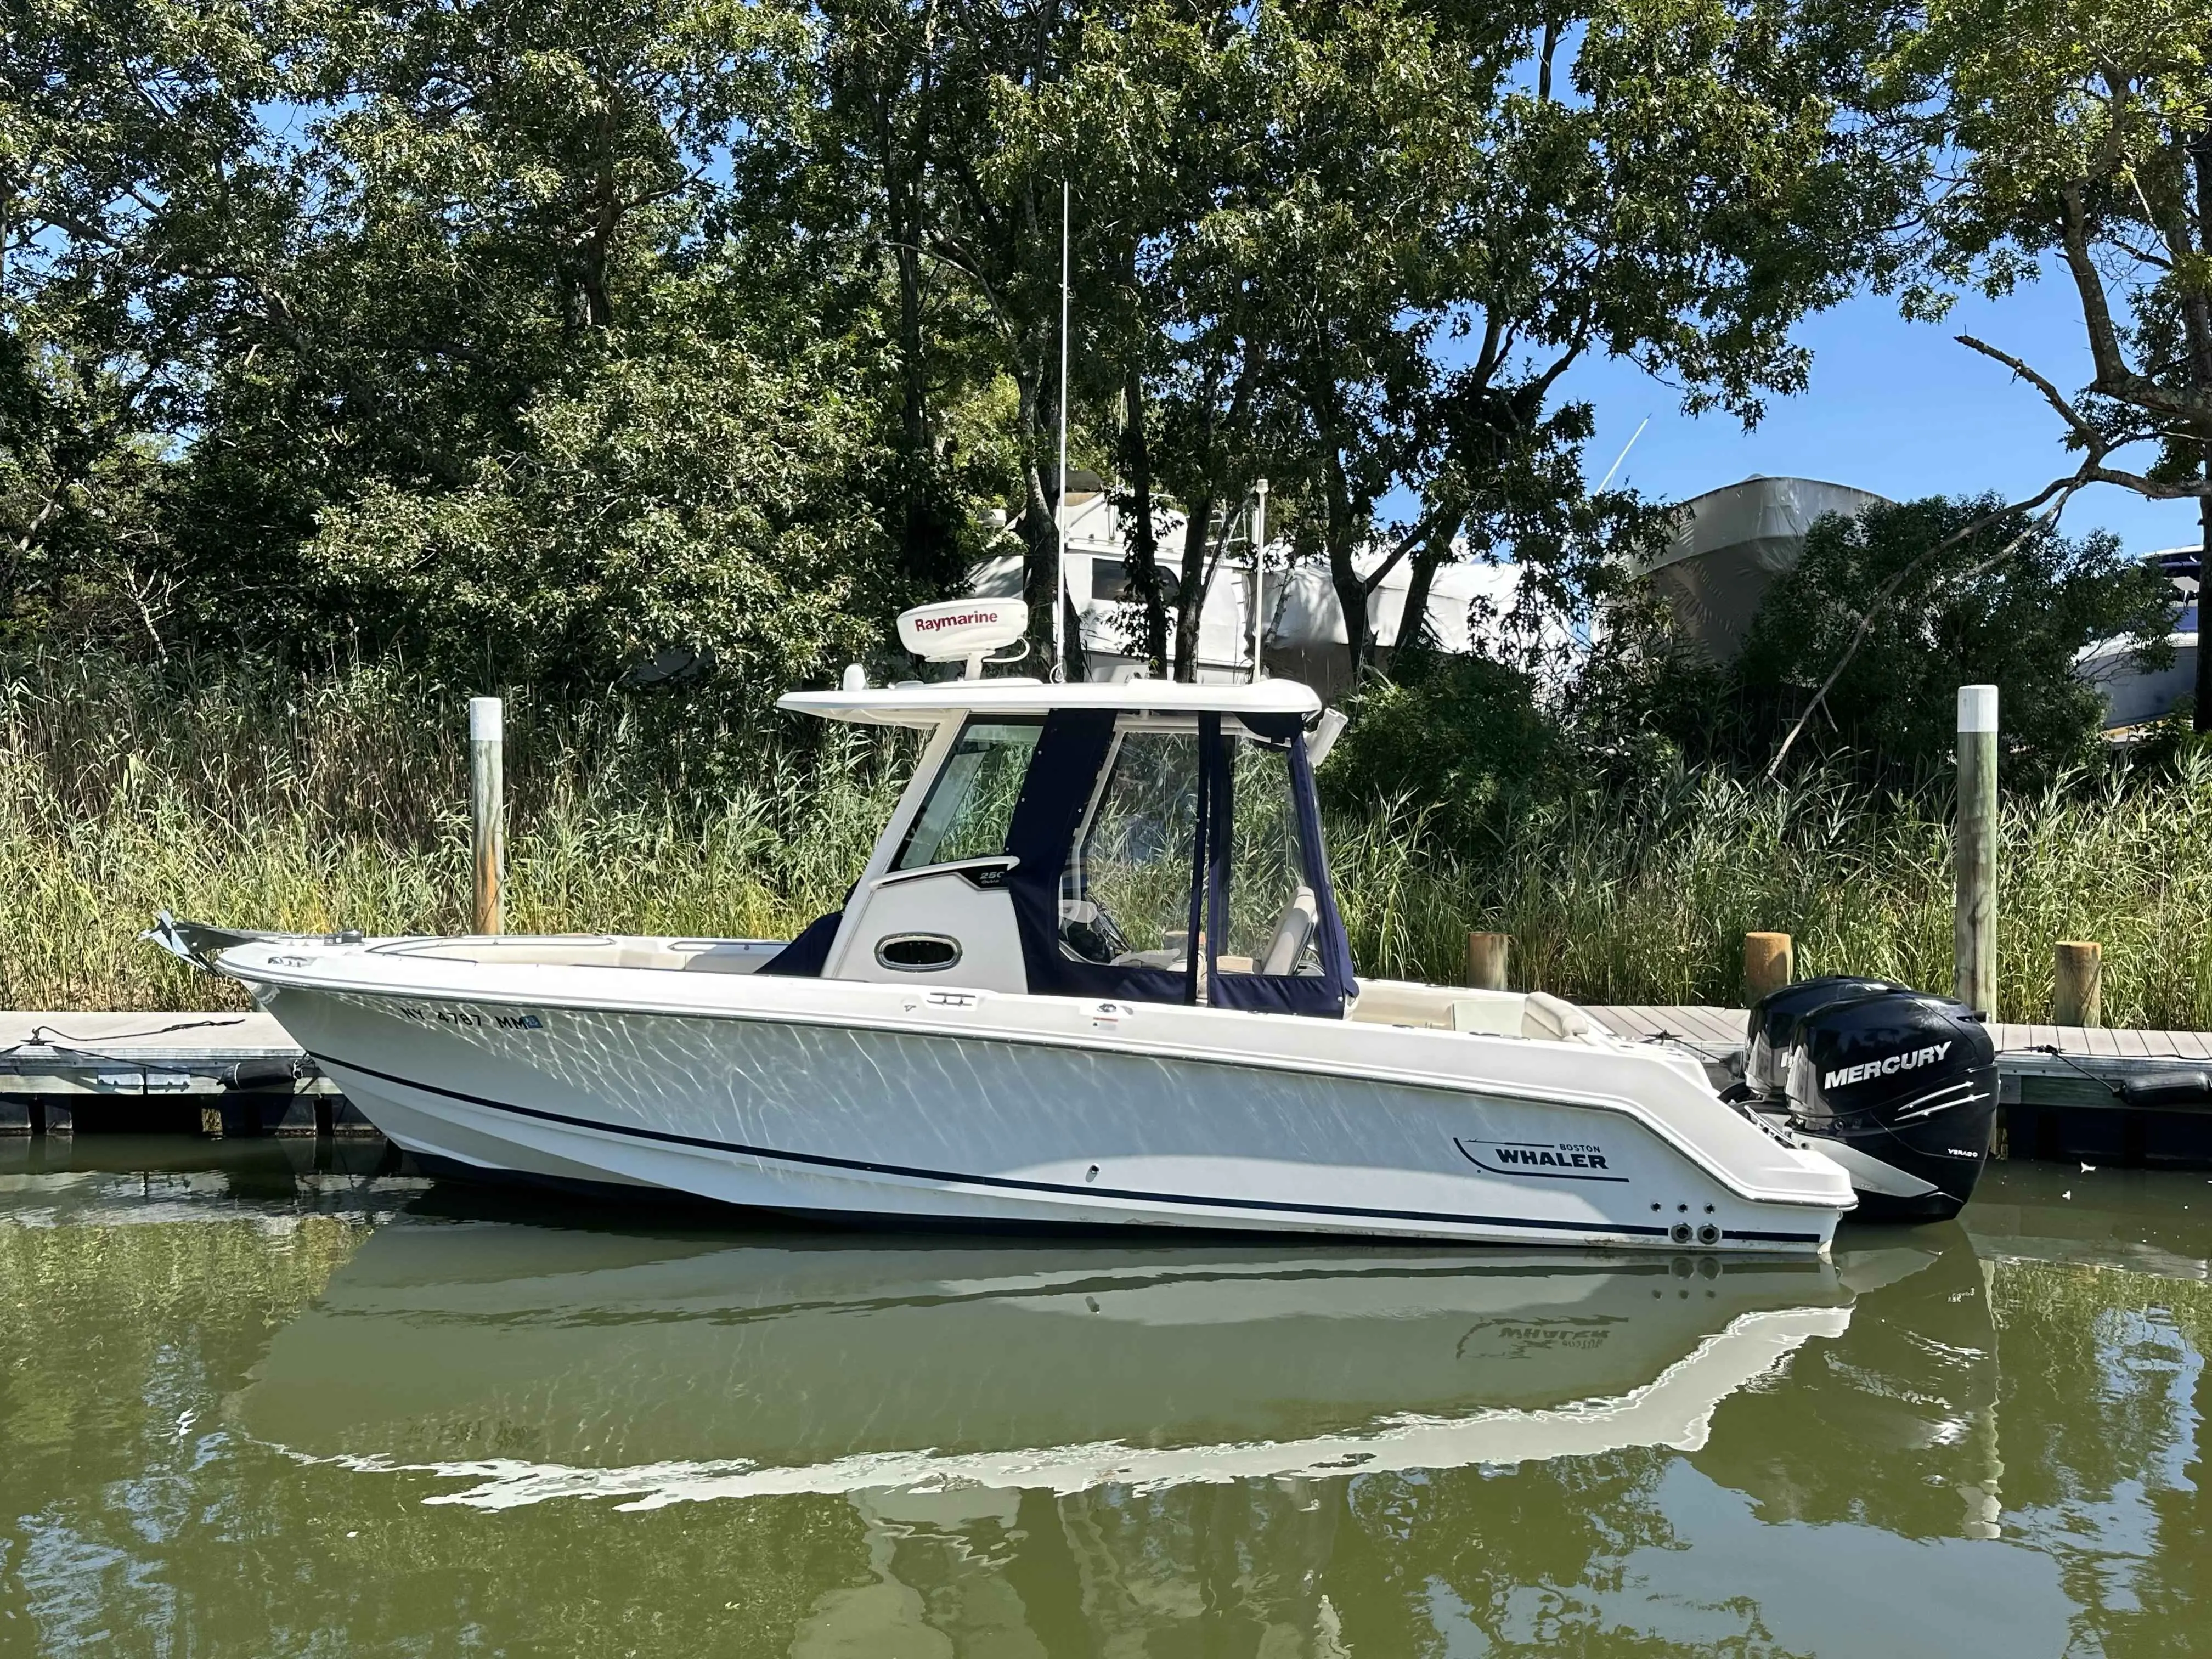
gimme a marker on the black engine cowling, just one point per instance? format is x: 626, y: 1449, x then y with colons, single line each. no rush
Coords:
x: 1774, y: 1024
x: 1904, y: 1083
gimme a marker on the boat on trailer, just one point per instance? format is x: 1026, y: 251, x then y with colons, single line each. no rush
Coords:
x: 1094, y: 976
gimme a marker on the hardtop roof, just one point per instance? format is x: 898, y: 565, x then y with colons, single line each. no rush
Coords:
x: 927, y: 703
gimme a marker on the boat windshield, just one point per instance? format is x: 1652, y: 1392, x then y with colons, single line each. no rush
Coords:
x: 1272, y: 911
x: 972, y: 802
x: 1125, y: 896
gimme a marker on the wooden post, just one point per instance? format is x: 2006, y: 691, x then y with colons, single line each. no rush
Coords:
x: 487, y: 809
x: 2077, y: 983
x: 1974, y: 914
x: 1769, y: 963
x: 1487, y: 958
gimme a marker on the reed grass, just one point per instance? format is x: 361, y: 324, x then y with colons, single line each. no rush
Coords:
x: 341, y: 802
x: 311, y: 803
x: 1645, y: 898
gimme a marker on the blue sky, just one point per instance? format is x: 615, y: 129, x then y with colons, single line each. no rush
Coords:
x: 1895, y: 407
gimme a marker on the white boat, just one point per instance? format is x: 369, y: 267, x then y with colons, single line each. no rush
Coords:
x: 1007, y: 1023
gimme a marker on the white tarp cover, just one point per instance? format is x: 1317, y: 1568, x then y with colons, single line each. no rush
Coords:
x: 1731, y: 544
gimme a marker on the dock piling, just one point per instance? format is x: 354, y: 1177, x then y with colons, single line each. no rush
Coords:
x: 1974, y: 914
x: 487, y: 809
x: 1488, y: 958
x: 2077, y: 981
x: 1769, y: 963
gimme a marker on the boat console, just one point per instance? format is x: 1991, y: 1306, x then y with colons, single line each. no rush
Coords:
x: 1147, y: 842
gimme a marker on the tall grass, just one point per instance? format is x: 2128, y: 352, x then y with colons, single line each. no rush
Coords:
x: 339, y: 801
x: 1646, y: 897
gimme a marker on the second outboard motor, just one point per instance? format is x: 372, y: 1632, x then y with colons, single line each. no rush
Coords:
x: 1898, y: 1087
x: 1774, y: 1025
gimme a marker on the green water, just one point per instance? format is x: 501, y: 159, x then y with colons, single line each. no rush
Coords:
x: 255, y: 1403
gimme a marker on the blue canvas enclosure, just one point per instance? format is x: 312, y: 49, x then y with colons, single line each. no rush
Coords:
x: 1325, y: 993
x: 1061, y: 795
x: 1063, y: 777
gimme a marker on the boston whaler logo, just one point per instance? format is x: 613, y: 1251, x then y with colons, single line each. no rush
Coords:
x: 1554, y: 1160
x: 1910, y: 1059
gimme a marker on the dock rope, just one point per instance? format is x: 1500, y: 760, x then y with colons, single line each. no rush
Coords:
x: 36, y: 1040
x: 42, y: 1036
x: 2058, y: 1054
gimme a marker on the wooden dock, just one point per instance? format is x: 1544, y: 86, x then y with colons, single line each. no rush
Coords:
x: 238, y: 1074
x: 2060, y: 1087
x: 2077, y: 1053
x: 216, y: 1074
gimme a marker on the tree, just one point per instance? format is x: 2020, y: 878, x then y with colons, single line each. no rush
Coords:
x: 1680, y: 191
x: 901, y: 96
x: 695, y: 498
x: 138, y: 199
x: 2078, y: 135
x: 2008, y: 601
x: 1465, y: 736
x: 1172, y: 100
x: 925, y: 106
x: 480, y: 333
x: 1355, y: 250
x: 513, y: 210
x: 341, y: 312
x: 1427, y: 225
x: 966, y: 142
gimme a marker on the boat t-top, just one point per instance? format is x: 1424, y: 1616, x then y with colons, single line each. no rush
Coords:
x: 1093, y: 977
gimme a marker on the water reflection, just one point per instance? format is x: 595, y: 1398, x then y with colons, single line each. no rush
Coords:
x: 565, y: 1362
x: 254, y: 1405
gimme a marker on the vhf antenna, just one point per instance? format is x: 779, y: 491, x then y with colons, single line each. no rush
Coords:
x: 1060, y: 513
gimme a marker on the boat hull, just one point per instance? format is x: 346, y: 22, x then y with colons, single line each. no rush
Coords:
x: 888, y: 1125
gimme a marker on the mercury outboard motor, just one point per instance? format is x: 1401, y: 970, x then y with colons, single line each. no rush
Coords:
x: 1774, y: 1025
x: 1898, y: 1087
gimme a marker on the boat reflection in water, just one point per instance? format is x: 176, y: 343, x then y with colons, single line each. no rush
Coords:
x: 1958, y: 1439
x: 1017, y: 1433
x: 1896, y: 1423
x: 547, y: 1362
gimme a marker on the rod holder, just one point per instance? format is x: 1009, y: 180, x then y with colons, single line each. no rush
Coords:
x: 488, y: 810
